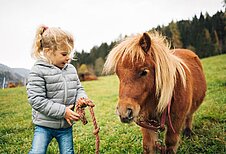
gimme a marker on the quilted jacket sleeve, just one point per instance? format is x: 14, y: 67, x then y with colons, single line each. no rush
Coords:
x: 37, y: 96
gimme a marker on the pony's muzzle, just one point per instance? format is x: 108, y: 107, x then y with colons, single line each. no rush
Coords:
x: 127, y: 116
x: 127, y: 109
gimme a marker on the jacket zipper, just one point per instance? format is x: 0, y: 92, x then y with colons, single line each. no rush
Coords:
x: 65, y: 94
x: 65, y: 89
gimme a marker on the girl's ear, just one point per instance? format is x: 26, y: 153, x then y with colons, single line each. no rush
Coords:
x: 46, y: 50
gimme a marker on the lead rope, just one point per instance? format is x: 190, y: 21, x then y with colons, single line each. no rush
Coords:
x: 80, y: 109
x: 96, y: 130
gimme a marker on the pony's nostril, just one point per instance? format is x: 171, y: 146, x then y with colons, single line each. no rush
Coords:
x: 130, y: 113
x: 127, y: 117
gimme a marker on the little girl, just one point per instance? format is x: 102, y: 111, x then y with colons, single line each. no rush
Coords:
x: 53, y: 87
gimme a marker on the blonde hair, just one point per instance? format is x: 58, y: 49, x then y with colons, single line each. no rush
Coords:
x: 51, y: 39
x: 167, y: 64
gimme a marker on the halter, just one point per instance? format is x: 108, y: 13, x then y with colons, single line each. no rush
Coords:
x: 158, y: 127
x: 154, y: 125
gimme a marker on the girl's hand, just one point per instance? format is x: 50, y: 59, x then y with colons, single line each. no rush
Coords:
x: 71, y: 115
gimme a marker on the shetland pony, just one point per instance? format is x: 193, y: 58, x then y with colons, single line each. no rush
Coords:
x: 158, y: 87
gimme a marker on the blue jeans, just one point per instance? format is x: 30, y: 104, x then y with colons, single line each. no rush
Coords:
x: 44, y: 135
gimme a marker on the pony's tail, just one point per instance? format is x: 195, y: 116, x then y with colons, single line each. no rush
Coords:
x: 37, y: 45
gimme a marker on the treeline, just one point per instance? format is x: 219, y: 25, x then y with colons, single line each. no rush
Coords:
x: 205, y: 35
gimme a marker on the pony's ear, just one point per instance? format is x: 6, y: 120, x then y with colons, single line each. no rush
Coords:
x: 145, y: 42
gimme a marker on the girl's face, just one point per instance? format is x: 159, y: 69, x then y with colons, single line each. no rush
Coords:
x: 60, y: 58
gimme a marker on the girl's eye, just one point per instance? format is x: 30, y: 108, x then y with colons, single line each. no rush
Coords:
x: 64, y: 54
x: 143, y: 73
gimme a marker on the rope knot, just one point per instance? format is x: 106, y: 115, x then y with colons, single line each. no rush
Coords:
x: 96, y: 131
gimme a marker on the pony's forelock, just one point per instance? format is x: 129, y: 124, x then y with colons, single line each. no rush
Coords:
x: 127, y: 47
x: 167, y: 64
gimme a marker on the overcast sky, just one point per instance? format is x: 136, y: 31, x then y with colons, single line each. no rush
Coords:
x: 90, y: 21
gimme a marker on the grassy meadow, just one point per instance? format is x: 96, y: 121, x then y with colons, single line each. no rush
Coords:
x: 209, y: 125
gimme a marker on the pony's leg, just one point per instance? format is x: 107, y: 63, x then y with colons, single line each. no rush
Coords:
x: 188, y: 126
x: 188, y: 122
x: 149, y: 141
x: 172, y: 142
x: 172, y: 138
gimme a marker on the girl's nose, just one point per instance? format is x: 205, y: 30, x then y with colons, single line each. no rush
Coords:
x: 68, y: 57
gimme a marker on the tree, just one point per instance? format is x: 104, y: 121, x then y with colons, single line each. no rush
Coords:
x: 205, y: 46
x: 99, y: 63
x: 184, y: 28
x: 190, y: 47
x: 83, y: 69
x: 216, y: 43
x: 175, y: 35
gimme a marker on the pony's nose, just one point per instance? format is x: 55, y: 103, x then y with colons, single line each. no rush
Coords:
x: 128, y: 116
x: 130, y: 113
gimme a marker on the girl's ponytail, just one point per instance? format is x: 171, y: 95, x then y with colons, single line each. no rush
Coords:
x: 37, y: 45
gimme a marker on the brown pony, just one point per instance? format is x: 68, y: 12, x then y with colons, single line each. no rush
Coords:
x: 158, y: 87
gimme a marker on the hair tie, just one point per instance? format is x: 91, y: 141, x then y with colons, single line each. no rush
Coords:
x: 45, y: 28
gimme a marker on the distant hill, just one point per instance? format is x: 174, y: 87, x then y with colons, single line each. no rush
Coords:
x: 14, y: 75
x: 22, y: 71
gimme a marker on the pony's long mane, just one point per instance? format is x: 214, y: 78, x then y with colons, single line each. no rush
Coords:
x: 166, y: 64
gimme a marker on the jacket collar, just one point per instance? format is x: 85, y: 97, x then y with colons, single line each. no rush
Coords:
x: 45, y: 63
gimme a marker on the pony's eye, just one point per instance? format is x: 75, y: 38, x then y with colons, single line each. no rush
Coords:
x: 143, y: 73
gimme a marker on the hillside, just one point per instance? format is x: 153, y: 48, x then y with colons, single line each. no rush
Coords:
x: 14, y: 75
x: 16, y: 129
x: 21, y: 71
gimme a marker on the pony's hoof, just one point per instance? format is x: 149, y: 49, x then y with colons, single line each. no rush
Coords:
x: 170, y: 151
x: 187, y: 132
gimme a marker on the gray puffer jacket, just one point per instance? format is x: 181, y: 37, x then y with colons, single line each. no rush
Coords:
x: 50, y: 90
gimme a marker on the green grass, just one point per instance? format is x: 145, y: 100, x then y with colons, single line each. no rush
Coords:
x: 16, y: 128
